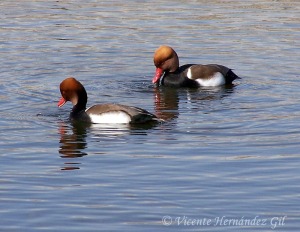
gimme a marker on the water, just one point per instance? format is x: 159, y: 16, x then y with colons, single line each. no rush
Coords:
x: 226, y: 159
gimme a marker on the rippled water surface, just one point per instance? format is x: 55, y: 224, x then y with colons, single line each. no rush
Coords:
x: 225, y: 159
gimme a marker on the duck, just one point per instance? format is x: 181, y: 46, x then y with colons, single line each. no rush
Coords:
x: 72, y: 90
x: 169, y: 73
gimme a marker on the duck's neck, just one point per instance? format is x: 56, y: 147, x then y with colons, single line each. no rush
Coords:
x: 175, y: 71
x: 79, y: 106
x: 77, y: 110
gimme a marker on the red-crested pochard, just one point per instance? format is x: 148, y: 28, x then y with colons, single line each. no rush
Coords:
x: 73, y: 91
x: 190, y: 75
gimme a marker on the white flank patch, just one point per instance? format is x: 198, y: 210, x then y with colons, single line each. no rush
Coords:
x: 189, y: 74
x: 216, y: 80
x: 110, y: 117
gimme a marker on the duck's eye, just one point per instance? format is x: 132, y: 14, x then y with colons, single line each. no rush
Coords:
x: 64, y: 93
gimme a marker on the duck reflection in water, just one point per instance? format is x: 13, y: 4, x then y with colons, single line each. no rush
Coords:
x: 73, y: 135
x: 166, y: 102
x: 166, y: 99
x: 72, y: 144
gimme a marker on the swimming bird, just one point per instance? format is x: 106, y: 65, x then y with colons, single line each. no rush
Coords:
x: 169, y: 73
x: 73, y: 91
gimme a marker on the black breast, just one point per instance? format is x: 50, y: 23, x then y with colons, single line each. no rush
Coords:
x: 179, y: 78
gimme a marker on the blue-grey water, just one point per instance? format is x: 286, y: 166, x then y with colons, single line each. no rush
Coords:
x: 225, y: 159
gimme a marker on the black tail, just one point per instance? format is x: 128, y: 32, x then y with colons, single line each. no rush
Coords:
x: 231, y: 76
